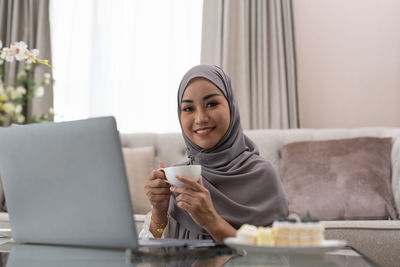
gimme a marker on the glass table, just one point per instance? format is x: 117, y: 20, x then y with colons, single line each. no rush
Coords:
x: 12, y: 254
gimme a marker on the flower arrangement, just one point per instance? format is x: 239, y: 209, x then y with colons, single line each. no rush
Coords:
x: 13, y: 97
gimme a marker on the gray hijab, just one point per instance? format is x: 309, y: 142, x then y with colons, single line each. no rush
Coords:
x: 244, y: 187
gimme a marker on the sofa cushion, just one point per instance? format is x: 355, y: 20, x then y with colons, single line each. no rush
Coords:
x: 139, y: 162
x: 376, y: 239
x: 345, y: 179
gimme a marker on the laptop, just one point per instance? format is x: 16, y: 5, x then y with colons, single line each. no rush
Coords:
x: 65, y: 183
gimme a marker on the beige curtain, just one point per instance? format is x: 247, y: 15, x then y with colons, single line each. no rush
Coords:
x: 253, y: 41
x: 28, y: 20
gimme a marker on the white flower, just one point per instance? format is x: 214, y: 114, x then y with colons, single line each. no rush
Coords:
x: 32, y: 55
x: 18, y: 92
x: 20, y: 49
x: 7, y: 54
x: 21, y: 75
x: 51, y: 111
x: 20, y: 118
x: 11, y: 108
x: 39, y: 91
x: 8, y: 107
x: 14, y: 95
x: 18, y: 108
x: 3, y: 97
x: 10, y: 89
x: 35, y: 52
x: 47, y: 78
x: 21, y: 90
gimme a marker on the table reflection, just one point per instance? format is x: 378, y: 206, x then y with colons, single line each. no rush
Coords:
x: 44, y: 255
x: 41, y: 255
x: 345, y: 258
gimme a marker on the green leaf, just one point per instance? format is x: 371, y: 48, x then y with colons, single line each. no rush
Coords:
x: 19, y: 82
x: 43, y: 117
x: 19, y: 101
x: 31, y: 82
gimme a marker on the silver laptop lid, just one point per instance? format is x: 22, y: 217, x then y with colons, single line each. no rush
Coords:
x: 65, y: 183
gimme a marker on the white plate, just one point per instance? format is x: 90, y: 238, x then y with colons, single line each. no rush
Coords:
x: 327, y: 245
x: 5, y: 232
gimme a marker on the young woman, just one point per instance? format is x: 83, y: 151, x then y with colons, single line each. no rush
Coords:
x: 237, y: 186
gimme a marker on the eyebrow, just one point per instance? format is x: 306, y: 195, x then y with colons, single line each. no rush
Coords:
x: 204, y: 98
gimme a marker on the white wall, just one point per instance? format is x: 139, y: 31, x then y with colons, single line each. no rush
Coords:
x: 348, y: 54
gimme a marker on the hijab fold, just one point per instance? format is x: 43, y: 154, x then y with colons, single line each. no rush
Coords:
x: 244, y: 187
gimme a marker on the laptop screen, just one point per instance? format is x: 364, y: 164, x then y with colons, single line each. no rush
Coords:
x: 65, y: 183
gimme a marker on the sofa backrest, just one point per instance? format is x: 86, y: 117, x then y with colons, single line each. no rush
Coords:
x: 170, y: 147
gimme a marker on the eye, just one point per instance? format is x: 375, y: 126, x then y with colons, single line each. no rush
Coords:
x: 212, y: 104
x: 187, y: 109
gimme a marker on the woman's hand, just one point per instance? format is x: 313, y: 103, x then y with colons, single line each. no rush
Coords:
x: 158, y: 192
x: 196, y: 200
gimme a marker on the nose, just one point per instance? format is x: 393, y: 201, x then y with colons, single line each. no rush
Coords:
x: 201, y: 117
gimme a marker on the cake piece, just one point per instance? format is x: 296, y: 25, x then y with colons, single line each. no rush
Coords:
x: 247, y: 234
x: 292, y: 231
x: 265, y: 236
x: 286, y: 232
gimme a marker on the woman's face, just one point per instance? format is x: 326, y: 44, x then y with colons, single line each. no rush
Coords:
x: 205, y: 113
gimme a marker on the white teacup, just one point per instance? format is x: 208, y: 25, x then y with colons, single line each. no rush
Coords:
x: 189, y: 171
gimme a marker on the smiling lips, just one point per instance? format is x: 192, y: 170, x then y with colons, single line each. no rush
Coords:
x: 204, y: 131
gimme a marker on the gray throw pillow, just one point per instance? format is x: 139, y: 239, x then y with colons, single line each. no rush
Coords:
x: 346, y: 179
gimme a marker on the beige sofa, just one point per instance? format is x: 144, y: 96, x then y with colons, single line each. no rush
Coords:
x: 379, y: 239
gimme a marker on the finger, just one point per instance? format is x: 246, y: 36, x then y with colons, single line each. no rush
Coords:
x: 154, y: 200
x: 190, y: 182
x: 188, y: 198
x: 158, y: 198
x: 183, y: 205
x: 160, y: 191
x: 201, y: 180
x: 157, y: 174
x: 162, y: 165
x: 158, y: 183
x: 183, y: 190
